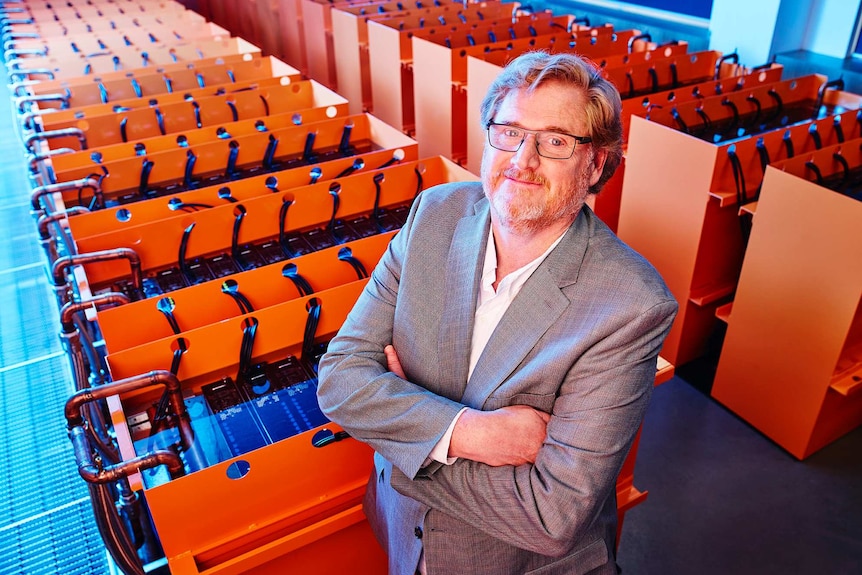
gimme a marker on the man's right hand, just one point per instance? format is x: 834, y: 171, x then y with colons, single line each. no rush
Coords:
x: 510, y: 435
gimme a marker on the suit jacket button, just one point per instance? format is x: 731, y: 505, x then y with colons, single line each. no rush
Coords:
x: 418, y: 532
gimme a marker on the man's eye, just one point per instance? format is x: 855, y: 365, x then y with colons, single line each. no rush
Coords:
x: 512, y: 133
x: 555, y: 141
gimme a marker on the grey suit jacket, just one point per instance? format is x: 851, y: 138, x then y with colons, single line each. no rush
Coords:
x: 579, y: 342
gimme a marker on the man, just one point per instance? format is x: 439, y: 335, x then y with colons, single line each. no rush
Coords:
x: 524, y: 341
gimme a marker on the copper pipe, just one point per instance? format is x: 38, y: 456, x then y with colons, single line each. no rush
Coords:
x: 39, y: 136
x: 45, y: 221
x: 93, y: 473
x: 73, y: 185
x: 69, y: 309
x: 58, y: 270
x: 22, y: 72
x: 40, y: 98
x: 35, y: 159
x: 110, y: 473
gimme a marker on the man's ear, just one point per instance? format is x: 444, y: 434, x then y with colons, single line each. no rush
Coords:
x: 599, y: 158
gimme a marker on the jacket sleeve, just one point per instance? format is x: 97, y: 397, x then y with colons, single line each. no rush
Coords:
x: 400, y: 420
x: 546, y: 506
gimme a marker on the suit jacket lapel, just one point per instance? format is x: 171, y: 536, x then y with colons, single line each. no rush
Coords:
x: 463, y: 273
x: 536, y: 307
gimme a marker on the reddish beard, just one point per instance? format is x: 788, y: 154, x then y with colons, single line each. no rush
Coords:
x: 532, y: 210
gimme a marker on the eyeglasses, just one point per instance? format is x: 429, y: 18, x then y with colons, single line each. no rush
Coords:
x: 554, y: 145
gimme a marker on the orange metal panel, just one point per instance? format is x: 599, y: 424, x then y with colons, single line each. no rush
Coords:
x: 203, y: 304
x: 796, y: 325
x: 105, y: 220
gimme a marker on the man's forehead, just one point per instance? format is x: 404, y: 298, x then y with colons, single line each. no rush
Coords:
x: 548, y: 106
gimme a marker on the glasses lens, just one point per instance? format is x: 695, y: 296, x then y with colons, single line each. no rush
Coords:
x: 505, y: 138
x: 554, y: 145
x: 549, y: 144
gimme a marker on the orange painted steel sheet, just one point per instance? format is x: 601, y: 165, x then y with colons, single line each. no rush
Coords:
x: 50, y: 118
x: 157, y: 242
x: 794, y: 333
x: 80, y: 26
x: 349, y: 32
x: 146, y: 82
x: 212, y: 155
x: 441, y: 107
x: 108, y: 219
x: 153, y: 35
x: 206, y: 303
x: 680, y: 190
x: 390, y: 57
x: 212, y: 522
x: 72, y: 65
x: 293, y: 35
x: 294, y: 103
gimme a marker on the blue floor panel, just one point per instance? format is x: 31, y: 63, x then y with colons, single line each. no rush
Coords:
x: 46, y: 519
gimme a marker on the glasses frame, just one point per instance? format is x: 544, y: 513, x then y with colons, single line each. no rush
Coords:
x: 579, y: 140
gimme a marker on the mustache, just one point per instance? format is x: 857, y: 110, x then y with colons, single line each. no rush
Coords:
x: 523, y: 175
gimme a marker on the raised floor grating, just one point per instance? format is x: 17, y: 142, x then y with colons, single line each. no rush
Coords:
x: 46, y: 520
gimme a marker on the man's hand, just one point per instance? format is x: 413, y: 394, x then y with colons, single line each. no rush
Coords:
x: 393, y: 361
x: 510, y: 435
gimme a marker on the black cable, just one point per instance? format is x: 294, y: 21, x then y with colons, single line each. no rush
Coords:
x: 839, y: 131
x: 230, y: 287
x: 282, y: 224
x: 269, y: 153
x: 357, y: 164
x: 845, y: 167
x: 334, y: 189
x: 290, y: 272
x: 240, y: 212
x: 146, y: 168
x: 813, y: 167
x: 815, y: 136
x: 231, y: 171
x: 345, y: 254
x: 181, y: 258
x: 375, y: 212
x: 788, y: 143
x: 188, y: 179
x: 419, y: 183
x: 313, y: 308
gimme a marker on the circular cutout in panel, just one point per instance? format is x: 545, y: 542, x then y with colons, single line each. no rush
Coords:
x: 284, y: 80
x: 238, y: 469
x: 247, y: 57
x: 322, y: 438
x: 180, y: 342
x: 761, y: 77
x: 331, y: 111
x: 124, y: 215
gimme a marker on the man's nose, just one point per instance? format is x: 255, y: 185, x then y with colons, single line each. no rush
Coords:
x: 527, y: 154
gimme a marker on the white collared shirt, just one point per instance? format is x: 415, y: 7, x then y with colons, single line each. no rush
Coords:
x: 490, y: 306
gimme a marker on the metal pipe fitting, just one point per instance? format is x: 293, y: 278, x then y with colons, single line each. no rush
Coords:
x: 71, y: 186
x: 69, y: 309
x: 77, y: 432
x: 58, y: 269
x: 65, y: 132
x: 46, y: 220
x: 23, y: 72
x: 20, y: 101
x: 13, y: 54
x: 31, y: 163
x: 93, y: 473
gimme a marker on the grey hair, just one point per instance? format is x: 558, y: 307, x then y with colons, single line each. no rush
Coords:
x: 603, y: 110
